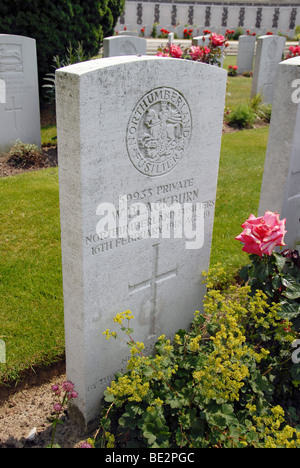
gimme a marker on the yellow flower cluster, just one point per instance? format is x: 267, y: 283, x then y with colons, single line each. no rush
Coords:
x: 122, y: 316
x: 223, y: 373
x: 118, y: 319
x: 109, y: 334
x: 129, y: 387
x: 136, y: 348
x: 193, y: 344
x: 268, y: 428
x: 110, y: 440
x: 226, y: 367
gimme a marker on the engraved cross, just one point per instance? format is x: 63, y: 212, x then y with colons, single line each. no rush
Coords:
x: 153, y: 283
x: 14, y: 109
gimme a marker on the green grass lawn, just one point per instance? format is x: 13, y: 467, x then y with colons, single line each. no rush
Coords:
x: 238, y: 88
x: 239, y: 183
x: 31, y: 309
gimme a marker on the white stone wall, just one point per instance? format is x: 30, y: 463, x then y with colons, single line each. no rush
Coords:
x: 259, y: 18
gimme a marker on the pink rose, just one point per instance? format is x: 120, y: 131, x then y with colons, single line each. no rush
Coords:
x: 175, y: 51
x: 217, y: 40
x: 196, y: 52
x: 261, y: 235
x: 162, y: 54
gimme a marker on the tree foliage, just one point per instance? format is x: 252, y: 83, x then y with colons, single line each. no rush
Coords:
x: 58, y: 24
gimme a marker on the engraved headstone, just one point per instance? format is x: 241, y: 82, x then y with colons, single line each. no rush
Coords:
x: 269, y: 52
x: 124, y: 45
x: 245, y: 55
x: 280, y: 191
x: 19, y: 94
x: 137, y: 194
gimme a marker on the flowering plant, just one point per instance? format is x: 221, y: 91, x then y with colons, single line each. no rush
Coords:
x: 293, y: 52
x: 261, y: 235
x: 211, y: 54
x: 164, y: 33
x: 229, y: 33
x: 187, y: 33
x: 232, y: 70
x: 211, y: 387
x: 218, y: 384
x: 64, y: 394
x: 277, y: 274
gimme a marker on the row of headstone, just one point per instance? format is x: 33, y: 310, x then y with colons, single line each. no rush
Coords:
x: 19, y: 93
x: 269, y: 53
x: 19, y: 97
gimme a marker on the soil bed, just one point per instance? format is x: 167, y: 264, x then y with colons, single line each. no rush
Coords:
x: 29, y: 407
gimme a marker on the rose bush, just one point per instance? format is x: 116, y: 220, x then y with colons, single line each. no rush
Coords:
x: 232, y: 70
x: 217, y: 40
x: 211, y: 54
x: 275, y: 273
x: 293, y: 52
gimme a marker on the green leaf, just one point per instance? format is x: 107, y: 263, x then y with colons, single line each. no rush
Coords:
x: 289, y: 310
x: 276, y: 282
x: 221, y: 416
x: 279, y: 260
x: 292, y: 287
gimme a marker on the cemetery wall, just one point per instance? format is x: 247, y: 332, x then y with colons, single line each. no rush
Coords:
x: 260, y: 16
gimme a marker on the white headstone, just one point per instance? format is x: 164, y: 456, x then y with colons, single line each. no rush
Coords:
x: 124, y: 45
x: 201, y: 40
x: 128, y: 33
x: 128, y: 133
x: 280, y: 190
x: 170, y: 38
x: 19, y: 94
x: 269, y: 52
x: 245, y: 54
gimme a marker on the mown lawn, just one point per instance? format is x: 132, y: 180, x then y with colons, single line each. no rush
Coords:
x: 31, y: 304
x: 239, y: 183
